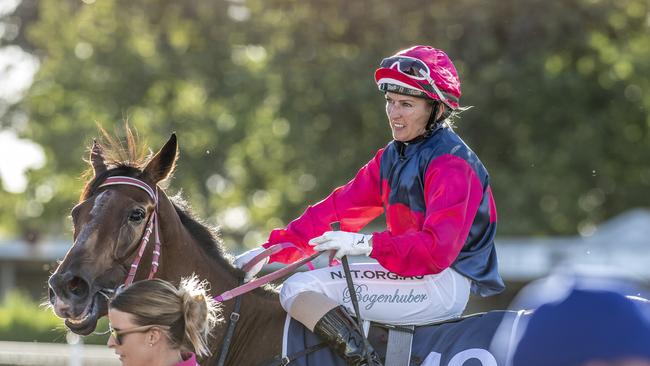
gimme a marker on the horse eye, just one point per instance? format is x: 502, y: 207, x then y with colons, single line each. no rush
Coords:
x: 136, y: 215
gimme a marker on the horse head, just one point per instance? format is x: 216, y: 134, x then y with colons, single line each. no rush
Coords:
x: 109, y: 223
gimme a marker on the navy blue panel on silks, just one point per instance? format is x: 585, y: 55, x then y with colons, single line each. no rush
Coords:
x: 467, y: 342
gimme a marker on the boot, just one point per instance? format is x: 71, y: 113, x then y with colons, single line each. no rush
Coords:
x: 340, y: 332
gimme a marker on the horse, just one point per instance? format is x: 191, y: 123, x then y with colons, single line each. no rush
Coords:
x: 108, y: 223
x: 123, y: 203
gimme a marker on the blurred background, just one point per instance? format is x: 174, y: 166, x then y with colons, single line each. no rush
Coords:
x: 274, y: 105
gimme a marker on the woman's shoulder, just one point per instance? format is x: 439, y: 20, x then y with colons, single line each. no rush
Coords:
x: 447, y: 133
x: 448, y: 142
x: 445, y: 141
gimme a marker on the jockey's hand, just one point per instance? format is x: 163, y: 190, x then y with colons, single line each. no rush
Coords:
x: 242, y: 259
x: 344, y: 243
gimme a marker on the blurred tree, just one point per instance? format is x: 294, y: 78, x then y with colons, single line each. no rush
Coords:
x: 275, y: 105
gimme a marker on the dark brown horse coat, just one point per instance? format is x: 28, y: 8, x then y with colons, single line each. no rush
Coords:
x: 108, y: 225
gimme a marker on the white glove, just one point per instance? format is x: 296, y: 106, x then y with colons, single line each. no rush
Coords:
x: 242, y: 259
x: 345, y: 243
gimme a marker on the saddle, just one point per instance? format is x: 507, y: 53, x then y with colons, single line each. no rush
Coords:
x: 449, y: 342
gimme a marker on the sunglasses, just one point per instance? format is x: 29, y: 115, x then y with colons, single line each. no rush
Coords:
x: 413, y: 68
x: 119, y: 334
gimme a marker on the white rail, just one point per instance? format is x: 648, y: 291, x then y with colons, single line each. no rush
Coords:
x: 51, y: 354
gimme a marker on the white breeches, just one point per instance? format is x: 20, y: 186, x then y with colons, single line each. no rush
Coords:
x: 384, y: 296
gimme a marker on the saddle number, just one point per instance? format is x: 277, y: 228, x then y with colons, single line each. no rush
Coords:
x: 483, y: 356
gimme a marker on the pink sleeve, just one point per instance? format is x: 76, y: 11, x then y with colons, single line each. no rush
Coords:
x: 453, y: 193
x: 354, y: 205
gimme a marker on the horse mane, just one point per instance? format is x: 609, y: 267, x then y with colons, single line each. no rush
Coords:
x: 126, y: 156
x: 210, y: 241
x: 206, y: 235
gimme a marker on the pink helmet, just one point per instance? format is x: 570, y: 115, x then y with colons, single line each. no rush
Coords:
x: 420, y: 71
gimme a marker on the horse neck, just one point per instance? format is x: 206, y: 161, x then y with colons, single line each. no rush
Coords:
x: 182, y: 255
x: 261, y: 313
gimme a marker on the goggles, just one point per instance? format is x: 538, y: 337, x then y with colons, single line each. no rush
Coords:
x: 415, y: 69
x: 408, y: 66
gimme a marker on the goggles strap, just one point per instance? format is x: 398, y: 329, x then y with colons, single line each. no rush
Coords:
x: 435, y: 87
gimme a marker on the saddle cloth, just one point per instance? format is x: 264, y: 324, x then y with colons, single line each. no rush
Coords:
x: 466, y: 341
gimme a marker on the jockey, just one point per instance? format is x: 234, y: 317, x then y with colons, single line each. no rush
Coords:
x: 438, y: 245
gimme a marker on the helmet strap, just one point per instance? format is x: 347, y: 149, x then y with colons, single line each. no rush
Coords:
x: 432, y: 118
x: 433, y: 121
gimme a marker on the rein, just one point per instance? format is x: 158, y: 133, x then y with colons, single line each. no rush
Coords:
x: 250, y: 286
x: 152, y: 226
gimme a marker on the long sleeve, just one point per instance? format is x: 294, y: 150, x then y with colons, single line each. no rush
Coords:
x: 354, y: 205
x: 453, y: 193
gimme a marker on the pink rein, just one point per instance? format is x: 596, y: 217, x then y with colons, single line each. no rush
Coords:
x: 152, y: 226
x: 247, y: 287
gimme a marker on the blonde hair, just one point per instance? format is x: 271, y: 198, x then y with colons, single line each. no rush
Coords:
x: 188, y: 311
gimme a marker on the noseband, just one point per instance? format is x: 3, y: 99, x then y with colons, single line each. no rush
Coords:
x: 152, y: 225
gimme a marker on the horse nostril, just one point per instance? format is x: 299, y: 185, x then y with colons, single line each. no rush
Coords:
x: 78, y: 287
x: 67, y: 286
x: 56, y: 286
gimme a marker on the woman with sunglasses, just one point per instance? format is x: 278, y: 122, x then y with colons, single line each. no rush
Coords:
x: 153, y: 323
x: 440, y: 217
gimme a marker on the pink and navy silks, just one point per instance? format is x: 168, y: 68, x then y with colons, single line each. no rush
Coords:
x: 189, y: 359
x: 439, y: 212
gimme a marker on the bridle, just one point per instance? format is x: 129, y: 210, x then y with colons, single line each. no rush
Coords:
x: 152, y: 225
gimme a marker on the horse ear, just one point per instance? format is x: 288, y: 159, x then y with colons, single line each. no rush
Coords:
x: 161, y: 166
x: 97, y: 158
